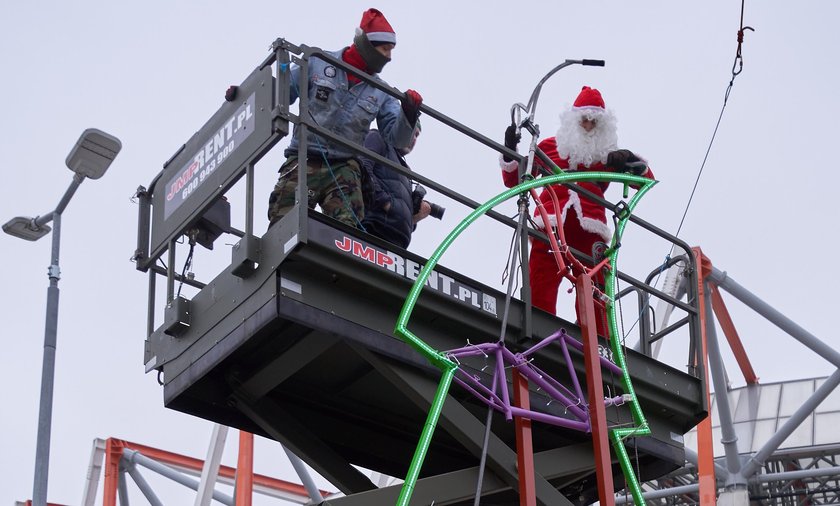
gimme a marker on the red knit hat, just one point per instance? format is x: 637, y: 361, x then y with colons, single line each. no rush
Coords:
x: 377, y: 28
x: 589, y: 97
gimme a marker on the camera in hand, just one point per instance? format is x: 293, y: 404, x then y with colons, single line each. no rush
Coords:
x: 417, y: 197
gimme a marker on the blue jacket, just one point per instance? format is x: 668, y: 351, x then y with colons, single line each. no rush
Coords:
x: 389, y: 187
x: 346, y: 111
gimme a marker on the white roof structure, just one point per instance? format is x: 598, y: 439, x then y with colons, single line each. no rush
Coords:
x: 759, y: 410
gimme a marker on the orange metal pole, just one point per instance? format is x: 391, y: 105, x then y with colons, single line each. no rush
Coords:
x: 113, y: 454
x: 705, y: 441
x: 524, y: 443
x: 245, y: 469
x: 735, y: 343
x: 595, y: 389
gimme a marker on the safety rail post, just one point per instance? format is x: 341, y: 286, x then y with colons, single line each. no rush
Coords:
x: 647, y: 344
x: 595, y: 390
x: 249, y: 202
x: 644, y: 344
x: 144, y: 225
x: 302, y: 193
x: 644, y: 323
x: 280, y: 113
x: 170, y: 272
x: 245, y: 254
x: 696, y: 350
x: 150, y: 318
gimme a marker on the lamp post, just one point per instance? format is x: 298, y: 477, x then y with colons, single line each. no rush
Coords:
x: 89, y: 158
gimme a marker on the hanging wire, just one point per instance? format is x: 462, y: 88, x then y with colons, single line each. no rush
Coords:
x: 513, y: 244
x: 485, y: 443
x: 636, y: 452
x: 737, y: 67
x: 187, y: 263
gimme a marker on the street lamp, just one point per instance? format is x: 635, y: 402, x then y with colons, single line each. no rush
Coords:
x: 89, y: 158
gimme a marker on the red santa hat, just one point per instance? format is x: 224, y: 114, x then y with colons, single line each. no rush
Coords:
x: 589, y: 98
x: 377, y: 29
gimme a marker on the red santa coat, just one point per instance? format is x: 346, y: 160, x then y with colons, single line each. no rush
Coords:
x: 592, y: 216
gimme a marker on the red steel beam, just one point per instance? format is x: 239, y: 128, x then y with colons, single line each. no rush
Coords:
x: 245, y: 469
x: 113, y: 454
x: 595, y: 389
x: 735, y: 343
x: 524, y: 443
x: 705, y: 441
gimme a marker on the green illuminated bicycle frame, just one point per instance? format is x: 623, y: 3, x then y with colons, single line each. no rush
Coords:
x: 448, y: 367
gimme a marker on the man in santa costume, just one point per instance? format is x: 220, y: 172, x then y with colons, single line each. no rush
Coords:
x: 586, y: 141
x: 345, y: 105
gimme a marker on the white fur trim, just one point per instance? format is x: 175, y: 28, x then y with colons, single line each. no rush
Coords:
x: 590, y: 109
x: 588, y: 224
x: 596, y: 227
x: 388, y: 37
x: 511, y: 166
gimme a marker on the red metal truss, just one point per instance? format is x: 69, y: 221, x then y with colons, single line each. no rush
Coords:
x: 245, y: 478
x: 732, y: 337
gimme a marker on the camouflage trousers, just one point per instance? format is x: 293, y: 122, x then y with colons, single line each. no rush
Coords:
x: 334, y: 185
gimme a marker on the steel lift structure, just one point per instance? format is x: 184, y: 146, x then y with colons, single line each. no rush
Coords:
x: 774, y: 443
x: 294, y: 339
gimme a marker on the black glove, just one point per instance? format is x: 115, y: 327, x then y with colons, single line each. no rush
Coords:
x: 617, y: 159
x: 230, y: 93
x: 411, y: 106
x: 623, y: 160
x: 512, y: 138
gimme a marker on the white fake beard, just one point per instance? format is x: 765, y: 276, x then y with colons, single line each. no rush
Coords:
x: 580, y: 147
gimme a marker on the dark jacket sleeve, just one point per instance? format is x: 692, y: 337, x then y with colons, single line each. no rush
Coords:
x: 375, y: 143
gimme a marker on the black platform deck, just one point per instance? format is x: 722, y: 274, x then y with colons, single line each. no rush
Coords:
x: 302, y: 351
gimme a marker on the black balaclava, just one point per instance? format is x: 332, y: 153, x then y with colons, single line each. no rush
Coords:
x: 374, y: 60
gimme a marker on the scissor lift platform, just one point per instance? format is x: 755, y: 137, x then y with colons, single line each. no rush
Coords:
x: 301, y: 350
x: 294, y: 339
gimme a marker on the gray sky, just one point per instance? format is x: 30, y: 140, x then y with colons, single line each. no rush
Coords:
x: 152, y: 73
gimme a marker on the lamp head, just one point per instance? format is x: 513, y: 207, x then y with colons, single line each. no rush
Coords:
x: 23, y: 227
x: 93, y: 153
